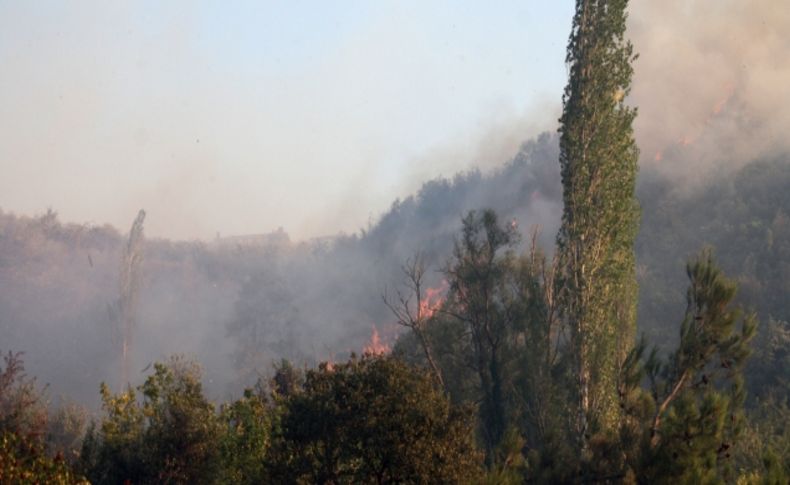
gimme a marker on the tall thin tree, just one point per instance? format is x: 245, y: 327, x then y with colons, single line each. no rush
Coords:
x: 130, y: 285
x: 598, y: 159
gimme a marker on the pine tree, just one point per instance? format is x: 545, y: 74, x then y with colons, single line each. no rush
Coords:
x: 691, y: 417
x: 598, y: 159
x: 699, y: 389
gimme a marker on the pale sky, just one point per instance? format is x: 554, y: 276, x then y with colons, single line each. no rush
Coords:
x: 241, y: 117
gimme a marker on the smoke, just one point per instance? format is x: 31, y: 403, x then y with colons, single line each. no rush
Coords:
x: 238, y: 304
x: 709, y: 84
x: 246, y: 118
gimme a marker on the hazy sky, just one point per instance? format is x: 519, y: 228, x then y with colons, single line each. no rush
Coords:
x: 241, y: 117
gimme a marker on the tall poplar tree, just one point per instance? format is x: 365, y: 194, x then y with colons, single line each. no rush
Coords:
x: 598, y: 159
x: 130, y: 286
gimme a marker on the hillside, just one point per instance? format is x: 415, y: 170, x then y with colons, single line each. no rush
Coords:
x: 239, y: 304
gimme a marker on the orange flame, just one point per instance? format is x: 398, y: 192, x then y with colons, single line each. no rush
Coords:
x: 433, y: 300
x: 691, y: 138
x: 376, y: 346
x: 717, y: 109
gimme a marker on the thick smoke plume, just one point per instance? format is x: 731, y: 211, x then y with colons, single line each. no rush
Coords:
x: 710, y: 84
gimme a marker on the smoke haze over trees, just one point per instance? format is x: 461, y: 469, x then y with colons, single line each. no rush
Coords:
x: 100, y: 124
x: 210, y: 299
x: 258, y: 309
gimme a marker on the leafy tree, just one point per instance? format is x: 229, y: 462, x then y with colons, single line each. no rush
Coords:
x: 598, y: 160
x: 542, y: 384
x: 23, y: 460
x: 23, y: 410
x: 287, y: 380
x: 763, y: 451
x: 66, y: 428
x: 372, y: 420
x: 481, y: 299
x: 182, y: 430
x: 246, y: 440
x: 171, y: 436
x: 23, y: 423
x: 511, y: 464
x: 114, y: 452
x: 495, y: 340
x: 540, y: 364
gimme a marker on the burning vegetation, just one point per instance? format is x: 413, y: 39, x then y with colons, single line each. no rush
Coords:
x: 376, y: 346
x: 503, y: 362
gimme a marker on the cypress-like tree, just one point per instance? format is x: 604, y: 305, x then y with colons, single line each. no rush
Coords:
x: 130, y: 286
x: 598, y: 159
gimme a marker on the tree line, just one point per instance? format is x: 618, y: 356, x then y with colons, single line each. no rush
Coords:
x: 530, y: 370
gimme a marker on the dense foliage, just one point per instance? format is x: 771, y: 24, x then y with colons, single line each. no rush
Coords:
x: 525, y: 370
x: 497, y: 335
x: 371, y: 420
x: 24, y: 457
x: 595, y: 244
x: 168, y: 437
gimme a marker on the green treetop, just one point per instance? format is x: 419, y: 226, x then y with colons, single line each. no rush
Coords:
x: 598, y: 159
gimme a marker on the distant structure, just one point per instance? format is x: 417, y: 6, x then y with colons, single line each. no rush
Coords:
x: 278, y: 238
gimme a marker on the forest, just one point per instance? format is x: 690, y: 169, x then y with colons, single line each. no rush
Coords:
x: 565, y: 317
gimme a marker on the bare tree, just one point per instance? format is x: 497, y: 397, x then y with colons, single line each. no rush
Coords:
x: 415, y: 316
